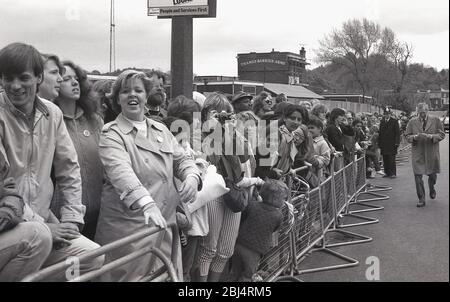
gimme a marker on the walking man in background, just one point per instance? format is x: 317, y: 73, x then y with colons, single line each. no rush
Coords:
x: 425, y: 132
x: 388, y: 141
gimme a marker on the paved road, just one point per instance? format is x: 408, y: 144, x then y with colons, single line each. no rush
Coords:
x: 411, y: 243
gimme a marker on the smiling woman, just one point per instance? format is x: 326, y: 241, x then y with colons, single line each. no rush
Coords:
x: 141, y: 158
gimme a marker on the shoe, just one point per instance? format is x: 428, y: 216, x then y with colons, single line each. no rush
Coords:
x: 385, y: 176
x: 393, y: 176
x: 421, y: 204
x: 381, y: 173
x: 433, y: 194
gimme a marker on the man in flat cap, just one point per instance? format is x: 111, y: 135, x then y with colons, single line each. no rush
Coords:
x: 388, y: 141
x: 242, y: 102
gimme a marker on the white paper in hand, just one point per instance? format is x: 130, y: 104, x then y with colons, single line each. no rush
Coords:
x: 213, y: 188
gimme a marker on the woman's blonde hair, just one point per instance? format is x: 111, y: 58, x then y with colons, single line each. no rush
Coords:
x: 121, y: 81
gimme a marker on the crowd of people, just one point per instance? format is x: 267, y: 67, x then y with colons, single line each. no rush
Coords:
x: 83, y: 165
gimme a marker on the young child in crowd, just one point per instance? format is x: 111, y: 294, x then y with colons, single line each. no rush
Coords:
x: 372, y: 153
x: 259, y: 221
x: 322, y: 156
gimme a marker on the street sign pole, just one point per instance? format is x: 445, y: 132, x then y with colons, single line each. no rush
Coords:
x: 182, y: 13
x: 182, y: 56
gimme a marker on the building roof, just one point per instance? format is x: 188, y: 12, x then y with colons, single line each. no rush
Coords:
x: 252, y: 83
x: 292, y: 91
x: 337, y: 95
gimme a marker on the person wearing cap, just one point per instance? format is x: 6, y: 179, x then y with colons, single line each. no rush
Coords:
x: 388, y: 141
x: 242, y: 102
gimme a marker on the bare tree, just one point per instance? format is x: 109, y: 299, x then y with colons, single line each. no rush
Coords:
x: 398, y: 55
x: 352, y: 47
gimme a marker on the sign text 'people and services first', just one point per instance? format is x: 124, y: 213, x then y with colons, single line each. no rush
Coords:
x: 169, y: 8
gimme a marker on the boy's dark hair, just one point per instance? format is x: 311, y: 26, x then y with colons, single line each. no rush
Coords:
x: 335, y: 113
x: 291, y: 108
x: 316, y: 122
x: 17, y: 58
x: 356, y: 122
x: 274, y: 192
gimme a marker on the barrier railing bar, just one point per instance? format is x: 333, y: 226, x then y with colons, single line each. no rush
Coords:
x: 128, y: 258
x: 61, y: 266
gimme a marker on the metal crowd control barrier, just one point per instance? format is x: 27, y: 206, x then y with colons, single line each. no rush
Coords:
x: 316, y: 215
x: 362, y: 188
x: 344, y: 189
x: 164, y: 273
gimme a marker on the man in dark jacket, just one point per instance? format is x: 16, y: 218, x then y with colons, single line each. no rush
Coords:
x: 388, y: 141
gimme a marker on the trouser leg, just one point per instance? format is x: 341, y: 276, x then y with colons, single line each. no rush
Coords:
x: 23, y: 250
x: 387, y: 165
x: 432, y: 178
x: 419, y: 187
x: 393, y: 164
x: 78, y: 246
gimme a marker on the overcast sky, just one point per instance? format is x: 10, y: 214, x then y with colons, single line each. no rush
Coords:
x: 79, y: 30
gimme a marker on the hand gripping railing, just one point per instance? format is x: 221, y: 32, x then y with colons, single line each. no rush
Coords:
x: 159, y: 275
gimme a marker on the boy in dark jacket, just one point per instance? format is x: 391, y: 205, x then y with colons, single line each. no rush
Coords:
x: 258, y: 223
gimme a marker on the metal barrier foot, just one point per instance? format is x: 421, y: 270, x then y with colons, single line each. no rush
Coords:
x: 358, y: 238
x: 376, y: 188
x: 350, y: 262
x: 378, y: 197
x: 372, y: 208
x: 366, y: 220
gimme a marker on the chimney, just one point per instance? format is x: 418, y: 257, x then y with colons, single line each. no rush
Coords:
x: 303, y: 53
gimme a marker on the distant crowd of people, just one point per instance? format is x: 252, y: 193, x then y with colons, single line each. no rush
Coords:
x: 85, y: 164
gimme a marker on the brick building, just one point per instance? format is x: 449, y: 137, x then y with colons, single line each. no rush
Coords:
x: 273, y: 67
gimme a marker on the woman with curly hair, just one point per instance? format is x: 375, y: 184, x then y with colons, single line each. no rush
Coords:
x: 84, y: 126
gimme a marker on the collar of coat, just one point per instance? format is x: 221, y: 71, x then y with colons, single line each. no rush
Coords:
x: 38, y: 105
x: 126, y: 127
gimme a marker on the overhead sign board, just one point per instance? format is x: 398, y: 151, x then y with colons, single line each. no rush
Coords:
x: 176, y: 3
x: 171, y: 8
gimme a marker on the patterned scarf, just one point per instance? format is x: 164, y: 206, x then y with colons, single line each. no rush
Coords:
x: 287, y: 149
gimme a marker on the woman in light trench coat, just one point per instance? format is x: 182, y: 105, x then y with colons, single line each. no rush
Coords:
x: 425, y: 132
x: 141, y: 158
